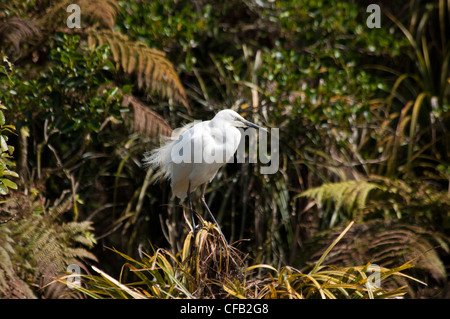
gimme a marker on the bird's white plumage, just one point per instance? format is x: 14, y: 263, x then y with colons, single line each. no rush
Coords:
x: 216, y: 141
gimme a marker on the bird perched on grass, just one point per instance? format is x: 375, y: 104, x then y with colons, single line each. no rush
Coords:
x: 193, y: 157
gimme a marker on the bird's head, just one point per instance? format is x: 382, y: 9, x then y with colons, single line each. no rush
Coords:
x: 233, y: 118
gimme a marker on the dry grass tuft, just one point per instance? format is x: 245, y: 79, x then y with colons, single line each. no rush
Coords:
x: 207, y: 268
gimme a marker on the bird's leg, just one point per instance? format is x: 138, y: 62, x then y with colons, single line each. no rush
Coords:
x: 194, y: 226
x: 212, y: 216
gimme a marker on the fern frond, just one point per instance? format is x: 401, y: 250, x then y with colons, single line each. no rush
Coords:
x: 16, y: 31
x: 78, y: 253
x: 42, y: 245
x: 60, y: 206
x: 144, y: 120
x: 73, y: 228
x: 103, y: 12
x: 350, y: 196
x: 153, y: 71
x: 386, y: 243
x: 412, y: 241
x: 11, y: 285
x: 96, y: 13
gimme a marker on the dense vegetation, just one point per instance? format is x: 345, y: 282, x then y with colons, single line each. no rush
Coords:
x: 364, y: 118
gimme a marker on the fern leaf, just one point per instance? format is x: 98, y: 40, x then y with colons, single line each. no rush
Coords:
x: 387, y: 243
x: 78, y: 253
x: 95, y: 13
x: 144, y: 120
x: 103, y: 12
x: 16, y: 31
x: 43, y: 246
x: 349, y: 195
x: 153, y: 71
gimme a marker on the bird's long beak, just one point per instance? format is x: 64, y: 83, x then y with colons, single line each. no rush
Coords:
x: 250, y: 124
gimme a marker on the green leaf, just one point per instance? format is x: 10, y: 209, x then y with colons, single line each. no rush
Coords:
x: 2, y: 118
x: 10, y: 173
x: 9, y: 128
x: 3, y: 144
x: 126, y: 89
x: 108, y: 66
x: 3, y: 189
x: 94, y: 125
x: 8, y: 183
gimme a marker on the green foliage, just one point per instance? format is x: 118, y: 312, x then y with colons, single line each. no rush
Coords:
x: 363, y: 115
x: 168, y: 25
x: 73, y: 90
x: 422, y: 93
x: 49, y: 245
x: 76, y: 89
x: 35, y: 244
x: 74, y: 100
x: 66, y: 101
x: 378, y: 196
x: 6, y: 151
x: 398, y: 220
x: 323, y: 80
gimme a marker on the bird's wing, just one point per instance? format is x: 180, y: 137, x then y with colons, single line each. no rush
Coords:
x: 161, y: 158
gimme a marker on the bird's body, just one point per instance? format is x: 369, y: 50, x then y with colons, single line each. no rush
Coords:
x: 208, y: 136
x: 193, y: 157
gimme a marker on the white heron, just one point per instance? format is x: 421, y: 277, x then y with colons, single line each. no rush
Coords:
x: 193, y: 157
